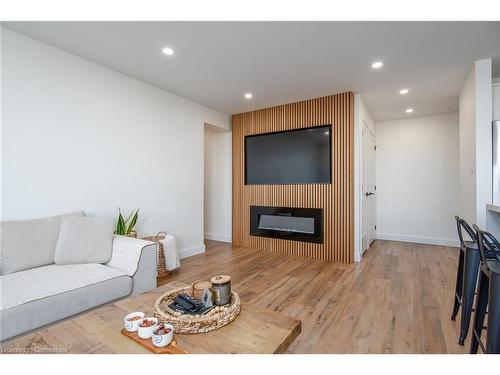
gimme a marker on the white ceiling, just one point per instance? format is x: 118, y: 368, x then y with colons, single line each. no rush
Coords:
x: 215, y: 63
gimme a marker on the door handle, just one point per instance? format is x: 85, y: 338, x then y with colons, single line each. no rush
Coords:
x: 369, y: 194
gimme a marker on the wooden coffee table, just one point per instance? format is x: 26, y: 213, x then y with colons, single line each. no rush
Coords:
x: 255, y: 330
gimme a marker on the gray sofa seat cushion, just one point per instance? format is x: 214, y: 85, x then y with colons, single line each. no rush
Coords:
x: 28, y: 244
x: 42, y: 282
x: 37, y: 313
x: 85, y: 240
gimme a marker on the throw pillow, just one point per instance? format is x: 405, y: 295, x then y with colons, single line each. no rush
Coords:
x: 85, y: 240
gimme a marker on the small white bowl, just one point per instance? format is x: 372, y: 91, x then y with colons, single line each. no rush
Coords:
x: 132, y: 325
x: 163, y: 340
x: 147, y: 332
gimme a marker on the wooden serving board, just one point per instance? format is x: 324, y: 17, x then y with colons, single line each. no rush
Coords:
x: 172, y: 348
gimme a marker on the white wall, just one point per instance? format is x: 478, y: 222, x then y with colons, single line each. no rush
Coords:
x: 418, y: 179
x: 467, y: 136
x: 484, y: 150
x: 76, y: 135
x: 496, y: 100
x: 218, y: 186
x: 476, y: 111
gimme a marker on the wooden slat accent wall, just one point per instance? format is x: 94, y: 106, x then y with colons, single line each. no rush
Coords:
x: 336, y: 199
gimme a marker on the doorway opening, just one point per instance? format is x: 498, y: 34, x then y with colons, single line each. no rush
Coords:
x: 217, y: 184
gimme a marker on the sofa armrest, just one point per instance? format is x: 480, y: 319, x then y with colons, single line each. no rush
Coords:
x: 136, y: 258
x: 144, y: 278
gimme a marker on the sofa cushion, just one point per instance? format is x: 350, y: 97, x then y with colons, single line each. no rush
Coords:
x: 85, y: 240
x: 38, y: 312
x: 28, y: 244
x: 37, y: 283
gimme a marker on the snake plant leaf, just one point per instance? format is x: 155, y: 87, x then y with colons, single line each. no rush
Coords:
x: 129, y: 218
x: 133, y: 221
x: 120, y: 225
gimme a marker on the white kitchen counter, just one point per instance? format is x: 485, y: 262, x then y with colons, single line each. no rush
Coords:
x: 492, y: 207
x: 493, y: 220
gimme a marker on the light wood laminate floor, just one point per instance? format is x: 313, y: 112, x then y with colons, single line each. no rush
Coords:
x: 397, y: 300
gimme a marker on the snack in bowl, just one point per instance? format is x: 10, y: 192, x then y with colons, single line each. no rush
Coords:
x: 163, y: 335
x: 147, y: 323
x: 146, y: 327
x: 131, y: 321
x: 135, y: 317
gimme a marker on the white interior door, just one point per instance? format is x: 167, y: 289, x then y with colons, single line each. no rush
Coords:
x: 369, y: 189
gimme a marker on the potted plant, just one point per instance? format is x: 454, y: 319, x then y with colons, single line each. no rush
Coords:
x: 126, y: 227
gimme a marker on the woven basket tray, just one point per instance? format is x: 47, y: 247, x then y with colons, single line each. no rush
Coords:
x: 189, y: 324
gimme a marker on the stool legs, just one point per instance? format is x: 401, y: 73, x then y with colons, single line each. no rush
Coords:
x: 481, y: 305
x: 493, y: 331
x: 471, y: 269
x: 458, y: 285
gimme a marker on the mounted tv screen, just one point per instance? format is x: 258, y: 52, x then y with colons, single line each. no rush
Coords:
x: 301, y: 156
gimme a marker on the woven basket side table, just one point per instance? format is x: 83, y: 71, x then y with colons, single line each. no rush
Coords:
x: 161, y: 271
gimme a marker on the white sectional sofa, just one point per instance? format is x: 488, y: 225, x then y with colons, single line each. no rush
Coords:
x: 34, y: 291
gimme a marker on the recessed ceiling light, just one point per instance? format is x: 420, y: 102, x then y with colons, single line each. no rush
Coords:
x: 377, y: 64
x: 404, y: 91
x: 248, y: 95
x: 409, y: 110
x: 168, y: 51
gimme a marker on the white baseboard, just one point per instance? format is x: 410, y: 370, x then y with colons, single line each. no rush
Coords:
x: 218, y: 237
x: 418, y: 239
x: 190, y: 251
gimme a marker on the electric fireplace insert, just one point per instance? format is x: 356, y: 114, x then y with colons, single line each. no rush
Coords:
x: 297, y: 224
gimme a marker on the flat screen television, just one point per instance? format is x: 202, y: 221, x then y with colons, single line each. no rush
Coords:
x: 299, y: 156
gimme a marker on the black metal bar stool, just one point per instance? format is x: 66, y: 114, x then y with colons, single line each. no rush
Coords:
x: 468, y: 268
x: 488, y: 296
